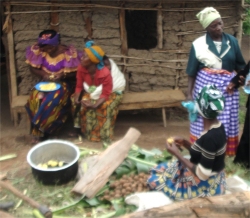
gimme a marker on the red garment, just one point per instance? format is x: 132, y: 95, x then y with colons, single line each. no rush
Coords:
x: 102, y: 76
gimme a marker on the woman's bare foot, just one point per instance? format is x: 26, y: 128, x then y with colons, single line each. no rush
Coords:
x: 35, y: 140
x: 75, y: 133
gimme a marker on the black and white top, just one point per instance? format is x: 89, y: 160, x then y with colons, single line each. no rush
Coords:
x: 208, y: 152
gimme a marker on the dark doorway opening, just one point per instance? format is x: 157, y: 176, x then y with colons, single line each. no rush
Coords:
x: 141, y: 29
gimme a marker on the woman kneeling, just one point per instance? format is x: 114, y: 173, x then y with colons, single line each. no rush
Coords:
x: 202, y: 175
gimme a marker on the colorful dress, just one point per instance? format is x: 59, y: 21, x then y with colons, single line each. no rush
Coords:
x: 49, y: 110
x: 208, y: 154
x: 97, y: 124
x: 211, y: 65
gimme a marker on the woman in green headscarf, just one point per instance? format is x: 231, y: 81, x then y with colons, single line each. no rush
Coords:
x: 203, y: 174
x: 213, y: 59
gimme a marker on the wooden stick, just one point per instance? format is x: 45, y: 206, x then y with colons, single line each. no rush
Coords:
x: 5, y: 215
x: 54, y: 17
x: 47, y: 11
x: 192, y: 32
x: 159, y: 28
x: 123, y: 32
x: 124, y: 46
x: 11, y: 58
x: 195, y: 21
x: 136, y: 58
x: 171, y: 51
x: 45, y: 4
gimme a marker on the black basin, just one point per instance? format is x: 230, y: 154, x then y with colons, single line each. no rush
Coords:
x: 54, y: 150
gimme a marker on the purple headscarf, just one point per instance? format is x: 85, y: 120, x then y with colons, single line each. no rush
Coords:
x: 46, y: 39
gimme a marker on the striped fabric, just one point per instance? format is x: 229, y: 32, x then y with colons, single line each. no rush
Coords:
x: 229, y: 117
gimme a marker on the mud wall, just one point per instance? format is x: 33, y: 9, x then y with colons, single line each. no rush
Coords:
x: 143, y: 75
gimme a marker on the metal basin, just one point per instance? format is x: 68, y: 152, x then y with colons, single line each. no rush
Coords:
x: 54, y: 150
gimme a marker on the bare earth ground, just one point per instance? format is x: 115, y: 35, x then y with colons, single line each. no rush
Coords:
x: 149, y: 123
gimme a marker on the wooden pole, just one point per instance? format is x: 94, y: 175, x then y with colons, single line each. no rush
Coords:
x: 124, y: 44
x: 159, y: 27
x: 88, y: 27
x: 11, y: 58
x: 240, y: 31
x: 54, y: 18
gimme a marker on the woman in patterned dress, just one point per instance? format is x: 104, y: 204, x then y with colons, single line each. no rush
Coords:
x: 101, y: 96
x: 202, y: 175
x: 212, y: 60
x: 52, y: 62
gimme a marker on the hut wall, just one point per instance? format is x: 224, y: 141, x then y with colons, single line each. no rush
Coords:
x: 26, y: 28
x: 143, y: 74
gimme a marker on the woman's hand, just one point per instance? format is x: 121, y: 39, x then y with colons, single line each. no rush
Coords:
x: 88, y: 104
x: 76, y: 98
x: 45, y: 77
x: 242, y: 80
x: 230, y: 88
x: 178, y: 140
x: 58, y: 76
x: 172, y: 149
x: 189, y: 97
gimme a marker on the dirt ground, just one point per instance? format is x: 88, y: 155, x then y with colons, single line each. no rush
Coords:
x: 149, y: 123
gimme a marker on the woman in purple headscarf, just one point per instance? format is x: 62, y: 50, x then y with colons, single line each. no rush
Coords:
x: 52, y: 62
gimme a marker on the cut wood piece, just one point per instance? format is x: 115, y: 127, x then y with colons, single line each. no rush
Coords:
x: 221, y: 211
x: 200, y: 207
x: 97, y: 175
x: 4, y: 214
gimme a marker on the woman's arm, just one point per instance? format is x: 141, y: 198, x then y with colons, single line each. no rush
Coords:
x: 181, y: 142
x: 238, y: 80
x: 173, y: 149
x: 39, y: 72
x: 191, y: 81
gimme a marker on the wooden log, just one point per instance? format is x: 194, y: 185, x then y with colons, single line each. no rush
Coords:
x: 222, y: 211
x: 97, y: 176
x: 237, y: 200
x: 159, y: 28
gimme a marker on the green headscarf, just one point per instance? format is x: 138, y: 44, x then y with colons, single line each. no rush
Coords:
x: 210, y: 102
x: 207, y: 16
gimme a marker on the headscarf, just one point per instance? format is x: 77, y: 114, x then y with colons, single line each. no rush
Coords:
x: 210, y: 102
x: 95, y: 54
x: 47, y: 39
x: 207, y: 16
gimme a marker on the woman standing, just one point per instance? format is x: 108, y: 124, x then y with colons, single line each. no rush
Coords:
x: 243, y: 151
x: 203, y: 174
x: 213, y: 59
x: 99, y: 100
x: 52, y: 62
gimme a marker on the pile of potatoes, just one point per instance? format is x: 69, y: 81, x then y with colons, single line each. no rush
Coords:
x: 127, y: 185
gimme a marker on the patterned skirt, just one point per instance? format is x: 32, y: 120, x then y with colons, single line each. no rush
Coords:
x: 229, y: 117
x: 178, y: 183
x: 98, y: 124
x: 48, y: 110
